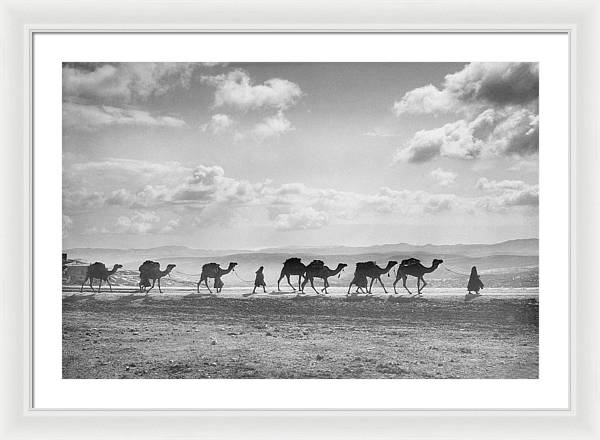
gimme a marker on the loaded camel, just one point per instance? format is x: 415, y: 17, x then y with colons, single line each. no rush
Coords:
x: 99, y: 271
x: 213, y: 270
x: 374, y: 272
x: 292, y: 266
x: 150, y: 270
x: 371, y: 270
x: 317, y: 269
x: 413, y: 267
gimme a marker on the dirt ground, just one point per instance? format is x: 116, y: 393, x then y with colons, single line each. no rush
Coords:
x: 182, y: 335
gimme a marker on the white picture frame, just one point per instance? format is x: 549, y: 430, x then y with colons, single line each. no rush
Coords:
x: 20, y: 21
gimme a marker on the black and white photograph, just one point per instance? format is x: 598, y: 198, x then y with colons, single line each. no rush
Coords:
x: 298, y: 220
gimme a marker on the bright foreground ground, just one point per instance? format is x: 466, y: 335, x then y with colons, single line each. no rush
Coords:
x: 279, y: 335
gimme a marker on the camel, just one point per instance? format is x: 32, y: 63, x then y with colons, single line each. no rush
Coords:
x: 99, y: 271
x: 150, y: 270
x: 316, y: 269
x: 374, y: 272
x: 213, y: 270
x: 413, y: 267
x: 292, y: 266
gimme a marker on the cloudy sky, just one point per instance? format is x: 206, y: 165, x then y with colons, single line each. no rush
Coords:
x: 244, y: 156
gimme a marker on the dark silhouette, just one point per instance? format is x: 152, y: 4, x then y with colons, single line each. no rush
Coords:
x: 213, y: 270
x: 317, y: 269
x: 100, y: 272
x: 374, y: 272
x: 413, y: 267
x: 259, y: 281
x: 150, y: 270
x: 292, y: 266
x: 475, y: 283
x: 360, y: 277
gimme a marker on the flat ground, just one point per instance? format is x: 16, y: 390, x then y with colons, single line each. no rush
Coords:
x: 178, y: 334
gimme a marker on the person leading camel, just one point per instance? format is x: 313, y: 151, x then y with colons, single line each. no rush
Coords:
x: 259, y: 281
x: 475, y: 283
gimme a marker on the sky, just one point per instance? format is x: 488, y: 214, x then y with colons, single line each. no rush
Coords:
x: 253, y: 155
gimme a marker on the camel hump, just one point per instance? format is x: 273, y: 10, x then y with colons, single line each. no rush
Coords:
x: 365, y: 265
x: 97, y: 266
x: 316, y: 264
x: 410, y: 262
x: 148, y: 266
x: 293, y: 260
x: 210, y: 266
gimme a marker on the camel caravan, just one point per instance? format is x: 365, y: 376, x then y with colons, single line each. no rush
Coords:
x: 365, y: 275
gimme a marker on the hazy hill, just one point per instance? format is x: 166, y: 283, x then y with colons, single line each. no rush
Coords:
x: 511, y: 247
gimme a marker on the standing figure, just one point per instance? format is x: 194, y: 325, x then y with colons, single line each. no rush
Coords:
x: 475, y: 283
x: 259, y: 281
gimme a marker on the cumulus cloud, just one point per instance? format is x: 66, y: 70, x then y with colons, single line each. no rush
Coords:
x: 507, y: 193
x: 272, y: 126
x: 122, y: 83
x: 509, y: 132
x: 90, y: 117
x: 442, y: 177
x: 237, y: 90
x: 218, y: 123
x: 205, y: 193
x: 67, y: 224
x: 301, y: 218
x: 477, y: 85
x: 499, y: 102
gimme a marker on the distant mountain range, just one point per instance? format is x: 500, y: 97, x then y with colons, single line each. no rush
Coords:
x: 519, y: 247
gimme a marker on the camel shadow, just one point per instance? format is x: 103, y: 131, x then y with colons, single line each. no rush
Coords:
x: 275, y: 293
x: 200, y: 295
x: 307, y: 297
x: 404, y: 298
x: 471, y: 297
x: 78, y: 297
x: 357, y: 297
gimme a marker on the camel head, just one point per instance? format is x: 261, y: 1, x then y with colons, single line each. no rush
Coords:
x: 115, y: 268
x: 341, y: 266
x: 436, y: 262
x: 390, y: 264
x: 232, y: 265
x: 169, y: 267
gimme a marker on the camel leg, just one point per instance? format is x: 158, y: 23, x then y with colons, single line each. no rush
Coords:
x: 109, y: 285
x: 313, y: 286
x: 325, y: 286
x: 381, y: 282
x: 160, y: 291
x: 404, y: 284
x: 423, y: 285
x: 370, y: 289
x: 91, y: 286
x: 198, y: 286
x: 151, y: 287
x: 287, y: 277
x: 418, y: 286
x: 99, y: 285
x: 206, y: 284
x: 81, y: 290
x: 299, y: 281
x: 349, y: 287
x: 396, y: 282
x: 303, y: 284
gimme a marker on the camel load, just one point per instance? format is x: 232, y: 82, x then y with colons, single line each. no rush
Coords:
x: 213, y: 270
x: 150, y: 270
x: 99, y: 271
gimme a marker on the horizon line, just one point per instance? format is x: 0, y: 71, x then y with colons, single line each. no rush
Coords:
x: 302, y: 247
